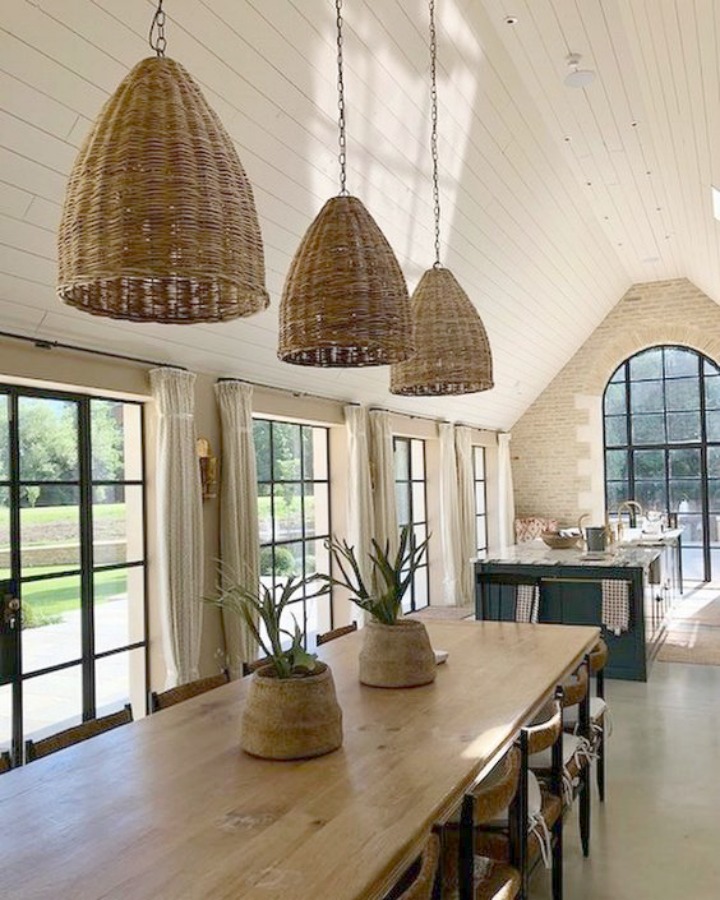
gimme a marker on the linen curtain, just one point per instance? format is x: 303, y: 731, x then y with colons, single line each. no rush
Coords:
x: 360, y: 495
x: 450, y: 517
x: 239, y: 534
x: 506, y: 517
x: 466, y: 513
x: 180, y: 526
x: 382, y: 470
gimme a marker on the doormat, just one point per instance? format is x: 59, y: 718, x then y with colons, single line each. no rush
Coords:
x: 686, y: 642
x: 701, y: 609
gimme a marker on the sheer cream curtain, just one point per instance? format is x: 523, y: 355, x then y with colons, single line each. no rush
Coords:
x: 450, y: 517
x: 239, y: 537
x: 360, y: 495
x: 466, y: 513
x: 180, y: 526
x: 382, y: 470
x: 506, y: 508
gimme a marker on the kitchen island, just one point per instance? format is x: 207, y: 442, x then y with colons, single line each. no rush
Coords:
x: 569, y: 586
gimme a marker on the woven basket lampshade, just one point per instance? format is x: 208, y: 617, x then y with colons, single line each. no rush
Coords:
x: 345, y: 301
x: 452, y: 349
x: 159, y: 222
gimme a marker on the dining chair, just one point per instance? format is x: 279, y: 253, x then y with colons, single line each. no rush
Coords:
x: 186, y: 691
x: 420, y: 881
x: 78, y: 733
x: 336, y: 633
x: 5, y: 762
x: 254, y: 664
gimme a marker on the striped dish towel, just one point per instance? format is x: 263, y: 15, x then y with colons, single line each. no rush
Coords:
x: 527, y: 603
x: 615, y: 605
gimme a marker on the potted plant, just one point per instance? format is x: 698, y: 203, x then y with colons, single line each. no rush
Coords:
x: 291, y: 710
x: 396, y: 651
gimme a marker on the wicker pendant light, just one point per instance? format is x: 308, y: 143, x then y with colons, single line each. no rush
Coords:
x: 159, y: 222
x: 345, y: 301
x: 453, y: 353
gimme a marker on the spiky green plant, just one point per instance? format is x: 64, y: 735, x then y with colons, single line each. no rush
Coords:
x: 391, y: 578
x: 251, y: 605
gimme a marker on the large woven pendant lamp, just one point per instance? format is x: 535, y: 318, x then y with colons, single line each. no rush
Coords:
x: 453, y: 353
x: 345, y: 301
x: 159, y: 222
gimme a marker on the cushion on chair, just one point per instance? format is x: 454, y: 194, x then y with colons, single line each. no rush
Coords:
x: 543, y: 760
x: 598, y: 708
x: 527, y: 528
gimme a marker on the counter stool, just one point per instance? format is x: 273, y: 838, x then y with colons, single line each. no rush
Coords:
x: 420, y: 882
x: 5, y: 762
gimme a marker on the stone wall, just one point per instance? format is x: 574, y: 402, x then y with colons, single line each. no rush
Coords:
x: 557, y: 445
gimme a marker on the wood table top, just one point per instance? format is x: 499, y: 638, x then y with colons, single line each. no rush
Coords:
x: 170, y: 808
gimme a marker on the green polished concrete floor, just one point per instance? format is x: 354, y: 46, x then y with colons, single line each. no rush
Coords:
x: 657, y: 837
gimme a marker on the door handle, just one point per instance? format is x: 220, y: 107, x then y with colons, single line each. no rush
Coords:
x: 11, y: 608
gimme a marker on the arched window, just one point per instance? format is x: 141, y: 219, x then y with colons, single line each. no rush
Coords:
x: 662, y: 446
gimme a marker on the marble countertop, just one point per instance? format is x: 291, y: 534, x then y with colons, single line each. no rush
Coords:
x: 536, y: 553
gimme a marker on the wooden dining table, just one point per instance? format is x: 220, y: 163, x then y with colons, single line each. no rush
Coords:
x: 170, y: 808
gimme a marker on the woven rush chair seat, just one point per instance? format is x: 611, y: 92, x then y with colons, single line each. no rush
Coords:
x: 186, y: 691
x: 418, y: 883
x: 575, y: 688
x: 336, y: 633
x: 496, y: 844
x: 76, y: 735
x: 5, y: 762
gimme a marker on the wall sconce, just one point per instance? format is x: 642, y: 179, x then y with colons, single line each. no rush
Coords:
x: 208, y: 469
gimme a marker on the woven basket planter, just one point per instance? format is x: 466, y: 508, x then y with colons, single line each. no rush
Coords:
x: 452, y: 349
x: 291, y: 718
x: 159, y: 222
x: 345, y: 301
x: 396, y: 656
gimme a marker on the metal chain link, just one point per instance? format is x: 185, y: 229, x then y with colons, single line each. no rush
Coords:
x: 158, y: 44
x: 342, y: 158
x: 434, y: 134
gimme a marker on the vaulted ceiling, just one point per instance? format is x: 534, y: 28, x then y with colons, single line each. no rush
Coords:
x: 554, y: 199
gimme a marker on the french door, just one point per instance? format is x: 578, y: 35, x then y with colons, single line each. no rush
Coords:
x: 73, y: 619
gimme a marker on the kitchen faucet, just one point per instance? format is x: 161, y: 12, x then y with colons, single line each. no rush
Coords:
x: 633, y: 508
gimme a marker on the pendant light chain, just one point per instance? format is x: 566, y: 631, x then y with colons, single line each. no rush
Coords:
x: 342, y: 158
x: 434, y: 135
x: 158, y: 44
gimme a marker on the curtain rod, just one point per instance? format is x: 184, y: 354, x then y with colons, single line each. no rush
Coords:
x: 43, y: 344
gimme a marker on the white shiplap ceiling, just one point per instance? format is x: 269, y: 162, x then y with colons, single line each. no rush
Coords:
x: 554, y: 200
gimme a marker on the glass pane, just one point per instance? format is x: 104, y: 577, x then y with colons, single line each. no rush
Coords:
x: 616, y: 464
x: 120, y: 679
x: 683, y: 394
x: 117, y: 524
x: 651, y: 495
x: 647, y: 365
x: 116, y: 440
x: 50, y: 535
x: 479, y: 457
x: 479, y: 498
x: 712, y: 423
x: 318, y: 616
x: 615, y: 399
x: 679, y: 362
x: 684, y: 426
x: 119, y: 606
x: 617, y: 491
x: 615, y: 430
x: 4, y: 437
x: 418, y: 499
x: 647, y: 396
x: 714, y: 495
x: 288, y: 511
x: 51, y: 622
x: 709, y: 367
x: 712, y: 392
x: 52, y: 702
x: 317, y: 558
x: 648, y: 429
x: 481, y: 533
x: 317, y: 509
x: 402, y: 498
x: 5, y: 716
x: 402, y: 459
x: 286, y: 451
x: 713, y: 462
x: 685, y: 495
x: 685, y: 463
x: 649, y: 464
x: 261, y: 436
x: 4, y: 532
x: 420, y: 588
x: 619, y: 374
x: 265, y: 513
x: 48, y: 432
x: 418, y: 459
x: 315, y: 445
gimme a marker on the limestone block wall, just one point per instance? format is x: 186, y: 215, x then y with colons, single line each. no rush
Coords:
x: 557, y: 445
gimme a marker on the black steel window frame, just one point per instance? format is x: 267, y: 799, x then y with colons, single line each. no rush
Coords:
x: 87, y: 569
x: 423, y: 571
x: 631, y: 447
x: 480, y: 515
x: 304, y: 539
